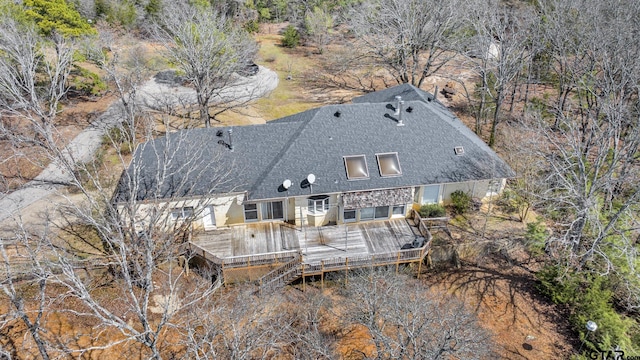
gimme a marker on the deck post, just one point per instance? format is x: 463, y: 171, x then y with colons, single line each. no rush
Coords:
x: 398, y: 263
x: 420, y: 263
x: 346, y: 271
x: 304, y: 284
x: 223, y: 277
x: 322, y: 274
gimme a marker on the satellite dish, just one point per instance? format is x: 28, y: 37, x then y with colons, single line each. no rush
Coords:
x: 286, y: 184
x: 311, y: 178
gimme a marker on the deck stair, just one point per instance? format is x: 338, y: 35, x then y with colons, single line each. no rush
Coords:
x: 281, y: 276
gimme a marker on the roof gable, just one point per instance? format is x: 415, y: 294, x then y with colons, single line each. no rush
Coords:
x: 408, y: 92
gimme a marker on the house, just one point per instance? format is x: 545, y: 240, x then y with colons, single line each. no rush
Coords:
x: 374, y: 159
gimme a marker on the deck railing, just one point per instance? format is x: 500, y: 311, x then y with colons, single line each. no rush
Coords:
x: 260, y: 259
x: 425, y: 224
x: 244, y: 261
x: 380, y: 259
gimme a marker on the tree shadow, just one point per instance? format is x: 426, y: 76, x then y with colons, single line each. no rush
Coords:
x: 504, y: 290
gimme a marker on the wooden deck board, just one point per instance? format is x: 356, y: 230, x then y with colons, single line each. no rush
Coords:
x: 321, y: 243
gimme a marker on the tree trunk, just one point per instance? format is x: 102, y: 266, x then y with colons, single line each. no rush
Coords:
x: 496, y: 118
x: 204, y: 116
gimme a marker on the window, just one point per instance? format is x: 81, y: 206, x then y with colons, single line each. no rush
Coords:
x: 356, y: 167
x: 318, y: 204
x: 430, y: 194
x: 251, y: 212
x: 494, y: 187
x: 181, y: 213
x: 382, y: 212
x: 398, y: 210
x: 272, y: 210
x: 367, y: 213
x: 389, y: 164
x: 349, y: 215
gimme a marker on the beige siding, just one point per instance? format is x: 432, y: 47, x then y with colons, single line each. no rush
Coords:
x: 226, y: 210
x: 477, y: 189
x: 448, y: 189
x: 229, y: 210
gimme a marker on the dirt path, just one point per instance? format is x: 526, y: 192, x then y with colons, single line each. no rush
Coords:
x: 84, y: 145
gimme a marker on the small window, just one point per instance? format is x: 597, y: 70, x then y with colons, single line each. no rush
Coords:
x: 318, y: 204
x: 459, y: 150
x: 182, y: 213
x: 251, y: 212
x: 349, y: 215
x: 398, y: 210
x: 389, y: 164
x: 356, y: 167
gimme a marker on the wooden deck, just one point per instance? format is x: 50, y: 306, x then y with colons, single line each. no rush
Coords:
x: 248, y: 240
x: 315, y: 243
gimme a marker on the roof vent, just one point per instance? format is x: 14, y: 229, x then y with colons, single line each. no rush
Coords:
x: 409, y: 109
x: 459, y: 150
x: 398, y: 102
x: 337, y: 114
x: 399, y: 113
x: 219, y: 133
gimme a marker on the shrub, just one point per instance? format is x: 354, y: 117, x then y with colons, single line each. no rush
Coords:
x: 118, y: 137
x: 290, y: 37
x: 252, y: 26
x: 153, y: 8
x: 536, y: 236
x: 460, y: 202
x: 432, y: 211
x: 86, y: 82
x: 589, y: 298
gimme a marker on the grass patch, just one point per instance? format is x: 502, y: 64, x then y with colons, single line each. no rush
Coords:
x: 289, y: 97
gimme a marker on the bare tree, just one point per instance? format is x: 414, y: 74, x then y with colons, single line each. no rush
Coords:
x: 135, y: 235
x: 24, y: 282
x: 240, y: 325
x: 406, y: 321
x: 411, y: 40
x: 33, y: 81
x: 590, y: 150
x: 319, y: 23
x: 571, y: 55
x: 210, y: 50
x: 497, y: 55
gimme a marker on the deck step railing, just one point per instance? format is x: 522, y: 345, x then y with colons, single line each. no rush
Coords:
x: 281, y: 275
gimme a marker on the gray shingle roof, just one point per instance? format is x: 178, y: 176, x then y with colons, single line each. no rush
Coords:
x: 408, y: 92
x: 316, y: 141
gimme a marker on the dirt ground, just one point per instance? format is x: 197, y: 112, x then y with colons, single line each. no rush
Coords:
x: 524, y: 324
x: 501, y: 287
